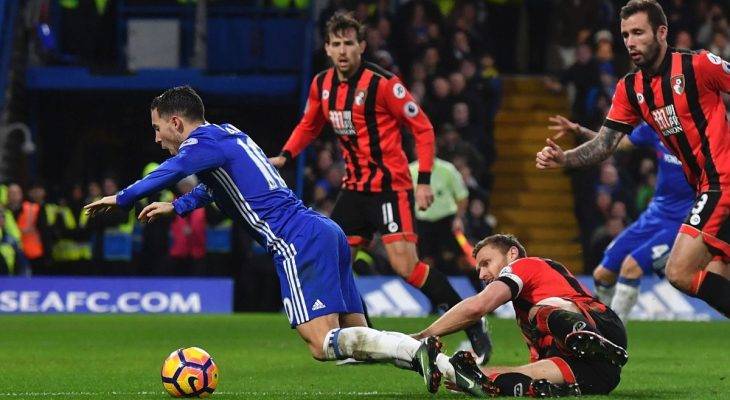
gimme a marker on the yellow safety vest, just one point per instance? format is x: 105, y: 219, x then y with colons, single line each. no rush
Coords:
x: 7, y: 252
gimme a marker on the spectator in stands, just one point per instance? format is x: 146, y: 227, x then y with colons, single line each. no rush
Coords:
x: 438, y: 103
x: 187, y: 237
x: 720, y: 45
x: 452, y: 146
x: 584, y: 76
x: 111, y: 236
x: 32, y: 222
x: 478, y: 222
x: 12, y: 261
x: 601, y: 239
x: 683, y: 40
x: 715, y: 20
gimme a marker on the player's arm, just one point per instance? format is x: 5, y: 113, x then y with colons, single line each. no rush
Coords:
x: 195, y: 155
x: 563, y: 126
x: 196, y: 198
x: 469, y: 311
x: 620, y: 121
x: 712, y: 71
x: 401, y: 104
x: 309, y: 127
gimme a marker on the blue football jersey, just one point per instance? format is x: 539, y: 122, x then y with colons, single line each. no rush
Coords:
x: 236, y: 174
x: 673, y: 196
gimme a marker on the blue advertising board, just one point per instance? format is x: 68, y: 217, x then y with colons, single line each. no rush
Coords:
x: 658, y: 300
x: 115, y: 295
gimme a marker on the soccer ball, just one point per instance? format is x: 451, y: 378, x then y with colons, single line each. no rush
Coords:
x: 189, y: 372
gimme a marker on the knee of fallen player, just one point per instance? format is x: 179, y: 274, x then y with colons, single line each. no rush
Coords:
x: 630, y: 269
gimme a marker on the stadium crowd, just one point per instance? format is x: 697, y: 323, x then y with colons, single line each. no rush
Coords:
x: 448, y: 55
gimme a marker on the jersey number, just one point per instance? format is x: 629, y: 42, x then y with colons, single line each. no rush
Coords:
x: 269, y: 173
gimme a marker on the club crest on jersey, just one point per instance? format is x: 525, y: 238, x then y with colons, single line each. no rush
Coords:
x: 399, y: 91
x: 678, y: 84
x: 410, y: 109
x: 667, y: 120
x: 342, y: 123
x: 360, y: 96
x: 325, y: 94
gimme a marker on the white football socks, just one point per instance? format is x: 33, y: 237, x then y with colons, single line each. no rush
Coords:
x: 605, y: 293
x: 444, y: 365
x: 624, y: 300
x: 367, y: 344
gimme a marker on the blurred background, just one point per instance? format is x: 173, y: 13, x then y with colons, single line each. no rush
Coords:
x: 77, y: 77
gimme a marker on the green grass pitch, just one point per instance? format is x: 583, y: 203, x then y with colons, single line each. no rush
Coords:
x: 114, y: 356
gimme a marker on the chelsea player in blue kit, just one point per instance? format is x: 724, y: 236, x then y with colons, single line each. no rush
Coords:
x: 643, y: 247
x: 311, y: 252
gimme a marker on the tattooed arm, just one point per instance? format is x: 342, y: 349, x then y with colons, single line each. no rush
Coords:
x: 591, y: 152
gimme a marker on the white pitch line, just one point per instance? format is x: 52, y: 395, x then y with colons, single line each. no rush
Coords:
x: 217, y: 393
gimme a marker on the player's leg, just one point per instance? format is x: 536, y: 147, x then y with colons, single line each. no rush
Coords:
x: 395, y: 211
x: 574, y: 330
x: 650, y: 257
x: 627, y: 288
x: 604, y: 276
x: 704, y: 232
x: 686, y: 271
x: 604, y: 280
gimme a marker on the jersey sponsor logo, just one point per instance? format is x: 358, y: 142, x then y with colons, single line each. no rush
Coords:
x: 189, y: 142
x: 399, y: 91
x: 667, y: 120
x: 360, y: 96
x: 671, y: 159
x: 325, y: 94
x: 678, y: 84
x: 640, y: 97
x: 342, y: 123
x: 714, y: 59
x: 410, y: 109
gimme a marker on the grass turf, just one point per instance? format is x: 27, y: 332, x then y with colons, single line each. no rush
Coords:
x: 115, y: 356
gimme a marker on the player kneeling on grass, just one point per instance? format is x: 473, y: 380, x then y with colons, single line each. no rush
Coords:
x: 310, y: 251
x: 577, y: 344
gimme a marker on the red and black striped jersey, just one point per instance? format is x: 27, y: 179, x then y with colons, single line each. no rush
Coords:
x: 366, y: 112
x: 683, y: 103
x: 533, y: 279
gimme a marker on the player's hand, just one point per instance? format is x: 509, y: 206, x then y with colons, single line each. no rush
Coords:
x: 551, y: 156
x: 155, y: 210
x: 277, y: 161
x: 424, y: 196
x: 101, y: 206
x: 563, y: 126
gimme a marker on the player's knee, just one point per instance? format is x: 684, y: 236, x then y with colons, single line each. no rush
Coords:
x: 678, y: 277
x: 604, y: 275
x: 630, y: 269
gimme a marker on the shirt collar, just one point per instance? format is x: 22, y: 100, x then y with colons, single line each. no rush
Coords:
x: 354, y: 78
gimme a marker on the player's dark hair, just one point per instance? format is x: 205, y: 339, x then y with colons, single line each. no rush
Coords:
x: 502, y: 241
x: 181, y: 100
x: 653, y: 10
x: 339, y: 23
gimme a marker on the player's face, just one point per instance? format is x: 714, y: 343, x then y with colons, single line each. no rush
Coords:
x: 167, y: 132
x: 345, y: 51
x: 491, y: 260
x: 640, y: 40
